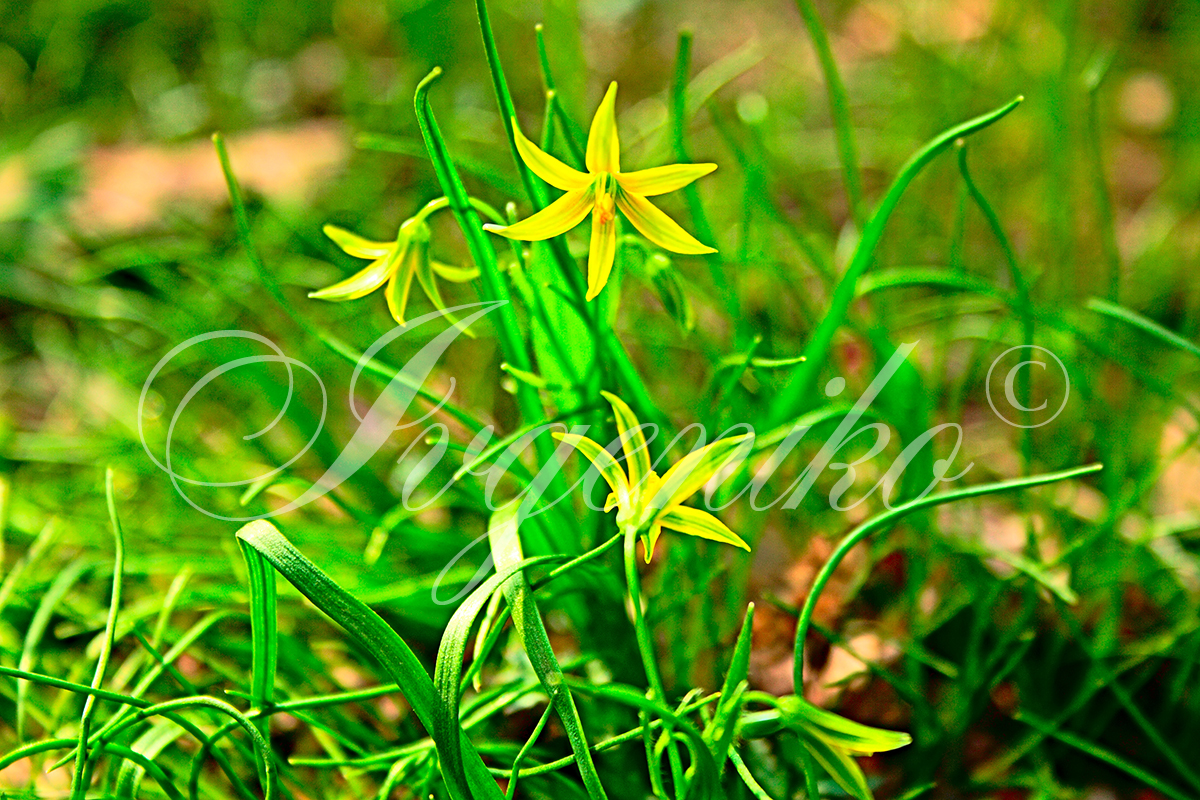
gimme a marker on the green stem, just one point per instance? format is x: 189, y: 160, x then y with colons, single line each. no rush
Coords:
x: 804, y: 379
x: 839, y: 110
x: 645, y: 642
x: 1093, y: 77
x: 891, y: 517
x: 573, y: 135
x: 534, y: 188
x: 1024, y: 387
x: 511, y: 341
x: 678, y: 111
x: 82, y: 774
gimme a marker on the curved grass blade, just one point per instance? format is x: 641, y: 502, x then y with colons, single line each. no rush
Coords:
x: 37, y: 628
x: 162, y: 734
x: 799, y: 388
x: 1101, y: 754
x: 889, y: 518
x: 1143, y: 324
x: 263, y: 632
x: 112, y: 748
x: 80, y: 778
x: 756, y: 789
x: 506, y: 551
x: 384, y: 643
x: 705, y: 783
x: 447, y: 731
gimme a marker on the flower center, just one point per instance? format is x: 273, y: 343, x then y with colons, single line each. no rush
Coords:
x: 605, y: 202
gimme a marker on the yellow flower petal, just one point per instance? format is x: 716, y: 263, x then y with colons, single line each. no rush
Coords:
x: 454, y: 274
x: 657, y: 226
x: 601, y: 254
x: 355, y: 245
x: 637, y: 456
x: 694, y: 470
x: 398, y: 287
x: 425, y: 271
x: 559, y: 217
x: 843, y: 733
x: 660, y: 180
x: 651, y: 540
x: 360, y: 283
x: 546, y: 166
x: 603, y: 147
x: 603, y: 461
x: 695, y: 522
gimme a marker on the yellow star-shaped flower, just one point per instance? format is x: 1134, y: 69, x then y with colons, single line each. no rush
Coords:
x: 395, y: 263
x: 601, y: 191
x: 644, y: 500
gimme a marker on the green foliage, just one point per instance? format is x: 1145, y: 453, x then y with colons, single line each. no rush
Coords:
x: 1035, y: 634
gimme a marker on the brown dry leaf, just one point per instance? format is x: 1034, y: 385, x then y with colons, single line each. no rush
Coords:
x: 771, y: 658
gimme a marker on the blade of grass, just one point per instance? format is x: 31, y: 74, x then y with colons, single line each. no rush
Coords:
x: 679, y: 115
x: 448, y: 669
x: 1136, y: 320
x: 504, y: 538
x: 720, y: 733
x: 382, y: 642
x: 1102, y: 754
x: 799, y: 389
x: 34, y: 748
x: 264, y: 639
x: 891, y: 517
x: 62, y: 584
x: 80, y: 778
x: 839, y: 111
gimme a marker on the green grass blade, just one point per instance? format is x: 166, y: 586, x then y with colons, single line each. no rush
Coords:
x: 264, y: 635
x: 1102, y: 754
x: 383, y: 642
x: 150, y: 744
x: 800, y: 388
x: 705, y: 782
x: 1143, y: 324
x: 839, y: 110
x: 720, y: 732
x: 889, y: 518
x: 120, y: 750
x: 533, y: 186
x: 79, y: 780
x: 447, y: 674
x: 505, y: 542
x: 756, y: 790
x: 62, y: 584
x: 679, y: 116
x: 40, y: 544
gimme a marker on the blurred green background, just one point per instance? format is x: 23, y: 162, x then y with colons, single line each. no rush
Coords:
x: 117, y: 243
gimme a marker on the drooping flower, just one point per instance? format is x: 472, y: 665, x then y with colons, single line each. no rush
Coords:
x: 832, y: 740
x: 601, y: 191
x: 644, y: 500
x: 395, y: 263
